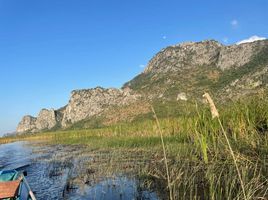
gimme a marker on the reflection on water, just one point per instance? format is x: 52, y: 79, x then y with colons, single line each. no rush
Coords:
x: 60, y: 172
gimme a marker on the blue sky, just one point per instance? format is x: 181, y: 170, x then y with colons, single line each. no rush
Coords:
x: 50, y: 47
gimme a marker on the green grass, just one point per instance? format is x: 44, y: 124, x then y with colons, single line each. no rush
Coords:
x: 199, y: 161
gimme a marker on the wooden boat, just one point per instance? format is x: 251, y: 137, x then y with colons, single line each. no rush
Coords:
x: 13, y: 185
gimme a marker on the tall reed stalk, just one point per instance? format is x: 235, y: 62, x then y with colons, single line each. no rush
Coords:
x: 215, y: 114
x: 164, y: 152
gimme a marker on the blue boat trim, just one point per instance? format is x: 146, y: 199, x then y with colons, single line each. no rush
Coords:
x: 24, y: 192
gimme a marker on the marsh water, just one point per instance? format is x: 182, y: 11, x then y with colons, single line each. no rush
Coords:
x: 64, y: 172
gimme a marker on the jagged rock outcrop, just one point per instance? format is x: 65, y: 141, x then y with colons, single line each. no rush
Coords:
x: 182, y: 96
x: 238, y: 55
x: 87, y: 103
x: 83, y: 104
x: 27, y: 124
x: 46, y: 119
x: 208, y: 52
x: 184, y: 55
x: 198, y: 67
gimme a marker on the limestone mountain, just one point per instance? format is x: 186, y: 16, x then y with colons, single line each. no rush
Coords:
x: 177, y: 73
x: 83, y: 104
x: 189, y: 69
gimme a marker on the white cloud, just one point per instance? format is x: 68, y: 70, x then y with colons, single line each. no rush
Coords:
x: 141, y: 66
x: 164, y: 37
x: 234, y: 23
x: 251, y: 39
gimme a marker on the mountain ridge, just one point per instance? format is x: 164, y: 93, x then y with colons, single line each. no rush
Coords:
x: 180, y: 72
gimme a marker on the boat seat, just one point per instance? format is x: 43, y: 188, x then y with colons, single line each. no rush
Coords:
x: 9, y: 189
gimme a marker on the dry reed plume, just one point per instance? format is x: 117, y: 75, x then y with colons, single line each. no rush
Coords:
x: 215, y: 114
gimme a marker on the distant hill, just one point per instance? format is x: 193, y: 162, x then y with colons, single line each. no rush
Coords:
x: 177, y: 75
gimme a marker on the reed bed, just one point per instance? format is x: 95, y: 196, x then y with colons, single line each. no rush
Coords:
x: 200, y: 162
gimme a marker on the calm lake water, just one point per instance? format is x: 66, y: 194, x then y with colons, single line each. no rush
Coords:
x: 61, y: 172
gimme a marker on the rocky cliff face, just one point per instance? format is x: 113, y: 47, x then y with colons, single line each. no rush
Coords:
x: 177, y: 73
x: 87, y: 103
x: 184, y: 55
x: 236, y: 56
x: 205, y: 53
x: 83, y: 104
x: 46, y: 119
x: 192, y: 68
x: 27, y: 124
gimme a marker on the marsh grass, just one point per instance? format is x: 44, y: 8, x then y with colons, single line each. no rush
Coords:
x: 164, y: 154
x: 198, y: 157
x: 215, y: 114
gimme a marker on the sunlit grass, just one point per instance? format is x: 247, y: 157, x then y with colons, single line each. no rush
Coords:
x: 198, y: 158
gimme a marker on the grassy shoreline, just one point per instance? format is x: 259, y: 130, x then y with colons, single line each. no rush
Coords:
x: 199, y: 162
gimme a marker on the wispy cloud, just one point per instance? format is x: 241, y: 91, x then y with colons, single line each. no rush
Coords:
x: 234, y: 23
x: 164, y: 37
x: 251, y: 39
